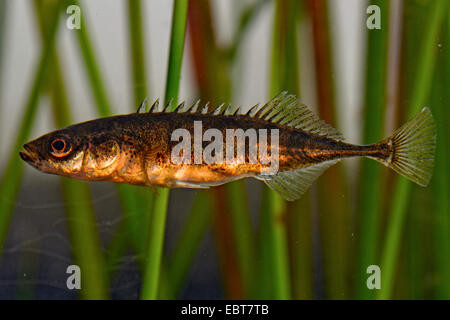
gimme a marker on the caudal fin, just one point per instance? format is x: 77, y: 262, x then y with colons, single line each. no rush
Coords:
x: 413, y: 148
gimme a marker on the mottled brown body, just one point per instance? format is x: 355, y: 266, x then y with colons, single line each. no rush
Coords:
x: 137, y: 148
x: 297, y: 149
x: 144, y: 141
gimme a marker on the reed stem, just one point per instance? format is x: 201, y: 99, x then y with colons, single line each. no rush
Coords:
x: 158, y: 219
x: 370, y: 179
x: 12, y: 175
x: 402, y: 190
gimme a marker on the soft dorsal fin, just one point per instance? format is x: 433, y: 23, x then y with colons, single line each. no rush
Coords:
x: 291, y: 185
x: 287, y: 110
x: 284, y: 109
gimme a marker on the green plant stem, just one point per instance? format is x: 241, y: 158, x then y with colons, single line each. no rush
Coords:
x: 80, y: 213
x: 265, y: 288
x: 334, y: 213
x: 187, y: 244
x: 128, y: 195
x: 116, y: 249
x: 371, y: 172
x: 278, y: 240
x: 85, y: 240
x: 245, y: 20
x: 301, y: 247
x: 283, y: 61
x: 441, y: 179
x: 137, y: 51
x: 138, y: 219
x: 212, y: 66
x: 243, y: 234
x: 150, y: 282
x: 401, y: 192
x: 86, y: 246
x: 178, y: 32
x: 87, y: 51
x: 10, y: 182
x: 158, y: 219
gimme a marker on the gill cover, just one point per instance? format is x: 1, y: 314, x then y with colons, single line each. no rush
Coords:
x: 102, y: 156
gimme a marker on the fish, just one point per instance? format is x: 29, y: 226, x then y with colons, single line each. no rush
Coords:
x: 190, y: 147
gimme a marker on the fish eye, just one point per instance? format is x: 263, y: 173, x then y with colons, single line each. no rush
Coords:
x: 60, y: 147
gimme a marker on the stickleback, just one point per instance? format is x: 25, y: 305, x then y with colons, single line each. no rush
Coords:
x: 281, y: 143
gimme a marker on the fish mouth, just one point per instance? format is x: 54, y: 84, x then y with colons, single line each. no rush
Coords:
x: 29, y: 155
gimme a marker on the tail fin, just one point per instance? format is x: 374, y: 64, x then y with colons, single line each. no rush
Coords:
x: 413, y: 147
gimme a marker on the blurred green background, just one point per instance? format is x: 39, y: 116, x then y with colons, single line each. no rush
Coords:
x: 241, y: 240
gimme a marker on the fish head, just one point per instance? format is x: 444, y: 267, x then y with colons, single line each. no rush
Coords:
x: 73, y: 153
x: 58, y: 152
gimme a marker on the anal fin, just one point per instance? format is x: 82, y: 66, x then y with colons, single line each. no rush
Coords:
x: 291, y: 185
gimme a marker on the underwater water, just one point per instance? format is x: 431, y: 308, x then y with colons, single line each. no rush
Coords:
x: 360, y: 231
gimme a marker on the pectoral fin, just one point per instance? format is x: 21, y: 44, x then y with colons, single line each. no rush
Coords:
x: 190, y: 185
